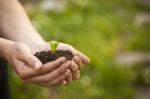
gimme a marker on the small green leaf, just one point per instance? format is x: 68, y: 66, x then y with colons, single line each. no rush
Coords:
x: 53, y: 45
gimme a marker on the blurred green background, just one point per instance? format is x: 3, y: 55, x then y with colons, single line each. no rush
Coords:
x: 115, y: 34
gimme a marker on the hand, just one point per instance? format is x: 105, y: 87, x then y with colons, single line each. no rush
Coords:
x: 76, y: 63
x: 62, y: 46
x: 31, y: 70
x: 78, y: 60
x: 84, y: 59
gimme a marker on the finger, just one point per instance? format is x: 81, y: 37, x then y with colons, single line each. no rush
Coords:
x: 84, y: 58
x: 22, y: 69
x: 25, y: 71
x: 78, y: 61
x: 74, y: 70
x: 63, y: 82
x: 50, y: 76
x: 59, y: 80
x: 32, y: 61
x: 51, y: 65
x: 69, y: 78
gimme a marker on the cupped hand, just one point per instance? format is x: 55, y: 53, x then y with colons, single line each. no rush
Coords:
x: 84, y: 59
x: 58, y: 72
x: 63, y: 46
x: 76, y: 64
x: 31, y: 70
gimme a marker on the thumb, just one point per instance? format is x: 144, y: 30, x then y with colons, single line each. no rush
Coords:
x: 24, y: 54
x: 32, y: 61
x: 84, y: 58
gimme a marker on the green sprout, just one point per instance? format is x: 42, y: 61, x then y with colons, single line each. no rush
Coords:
x: 53, y: 45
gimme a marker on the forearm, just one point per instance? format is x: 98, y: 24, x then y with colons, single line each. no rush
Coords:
x: 15, y: 25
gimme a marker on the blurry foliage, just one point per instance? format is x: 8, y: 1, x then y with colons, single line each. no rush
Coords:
x: 101, y: 29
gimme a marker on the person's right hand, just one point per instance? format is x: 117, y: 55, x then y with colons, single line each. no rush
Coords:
x: 31, y: 70
x: 76, y: 63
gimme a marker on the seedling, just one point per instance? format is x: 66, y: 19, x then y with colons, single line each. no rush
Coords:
x: 53, y: 54
x: 53, y: 45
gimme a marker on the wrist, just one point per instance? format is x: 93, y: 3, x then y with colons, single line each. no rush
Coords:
x: 6, y: 47
x: 38, y: 45
x: 31, y: 38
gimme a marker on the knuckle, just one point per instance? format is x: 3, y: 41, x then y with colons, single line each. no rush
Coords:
x: 63, y: 77
x: 32, y: 60
x: 57, y: 81
x: 61, y: 69
x: 18, y: 45
x: 42, y: 69
x: 18, y: 48
x: 67, y: 72
x: 55, y: 63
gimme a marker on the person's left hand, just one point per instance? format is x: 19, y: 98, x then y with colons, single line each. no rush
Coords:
x: 78, y: 59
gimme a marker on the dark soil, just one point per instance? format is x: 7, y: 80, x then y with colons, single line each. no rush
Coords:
x: 48, y: 56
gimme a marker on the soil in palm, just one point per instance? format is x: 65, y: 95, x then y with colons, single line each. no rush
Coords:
x: 48, y: 56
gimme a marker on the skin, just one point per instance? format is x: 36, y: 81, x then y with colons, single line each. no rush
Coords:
x: 27, y: 66
x: 17, y: 48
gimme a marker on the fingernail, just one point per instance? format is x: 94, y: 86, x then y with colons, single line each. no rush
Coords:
x: 87, y: 61
x: 64, y: 82
x: 63, y: 59
x: 76, y: 58
x: 38, y: 65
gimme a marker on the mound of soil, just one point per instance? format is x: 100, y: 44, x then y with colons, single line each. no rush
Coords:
x: 48, y: 56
